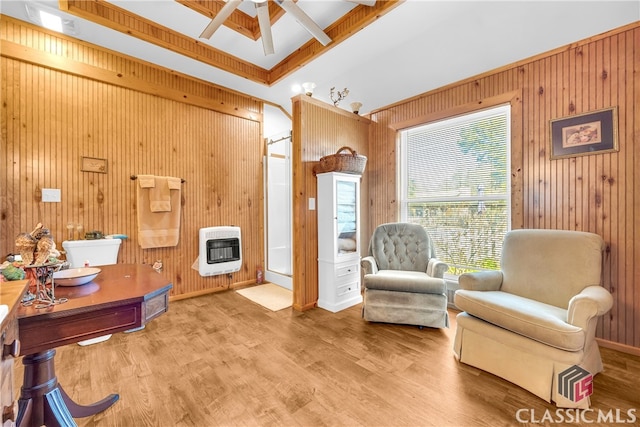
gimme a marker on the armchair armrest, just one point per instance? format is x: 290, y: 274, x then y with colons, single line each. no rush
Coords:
x: 592, y: 302
x: 436, y: 268
x: 481, y: 280
x: 369, y: 265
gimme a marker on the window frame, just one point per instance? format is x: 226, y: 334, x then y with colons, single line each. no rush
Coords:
x: 451, y: 120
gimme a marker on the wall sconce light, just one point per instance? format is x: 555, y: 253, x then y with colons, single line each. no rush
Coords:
x: 308, y: 88
x: 355, y: 107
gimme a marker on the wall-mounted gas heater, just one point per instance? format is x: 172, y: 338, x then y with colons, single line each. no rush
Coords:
x: 220, y: 250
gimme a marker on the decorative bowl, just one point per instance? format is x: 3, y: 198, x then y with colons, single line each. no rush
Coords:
x: 75, y: 276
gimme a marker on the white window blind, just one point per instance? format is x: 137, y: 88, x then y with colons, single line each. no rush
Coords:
x: 455, y: 182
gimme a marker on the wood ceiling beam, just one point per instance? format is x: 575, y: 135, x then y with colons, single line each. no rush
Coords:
x: 111, y: 16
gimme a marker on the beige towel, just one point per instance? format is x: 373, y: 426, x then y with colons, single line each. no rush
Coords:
x: 159, y: 195
x: 158, y: 229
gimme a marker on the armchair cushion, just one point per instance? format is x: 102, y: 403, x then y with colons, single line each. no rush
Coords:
x: 405, y: 281
x: 550, y: 265
x: 533, y: 319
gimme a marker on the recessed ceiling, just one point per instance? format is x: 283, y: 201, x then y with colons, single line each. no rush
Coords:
x: 236, y: 47
x: 382, y: 54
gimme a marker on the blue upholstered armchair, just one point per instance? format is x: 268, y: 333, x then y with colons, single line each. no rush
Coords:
x: 403, y: 279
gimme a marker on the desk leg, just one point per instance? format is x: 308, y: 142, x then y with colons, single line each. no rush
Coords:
x: 81, y: 411
x: 44, y: 402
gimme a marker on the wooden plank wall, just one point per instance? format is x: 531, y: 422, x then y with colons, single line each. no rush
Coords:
x: 319, y: 129
x: 596, y: 193
x: 51, y: 118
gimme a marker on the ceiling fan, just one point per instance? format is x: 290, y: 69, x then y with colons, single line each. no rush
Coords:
x: 264, y: 21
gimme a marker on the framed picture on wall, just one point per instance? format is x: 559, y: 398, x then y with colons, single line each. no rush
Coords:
x: 590, y: 133
x: 92, y: 164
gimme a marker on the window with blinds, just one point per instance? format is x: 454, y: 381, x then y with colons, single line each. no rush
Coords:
x: 454, y: 180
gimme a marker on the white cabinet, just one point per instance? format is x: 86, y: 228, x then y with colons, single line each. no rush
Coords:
x: 338, y: 241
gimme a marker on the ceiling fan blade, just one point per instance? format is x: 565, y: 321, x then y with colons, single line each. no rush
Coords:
x: 304, y: 20
x: 264, y: 21
x: 364, y: 2
x: 219, y: 19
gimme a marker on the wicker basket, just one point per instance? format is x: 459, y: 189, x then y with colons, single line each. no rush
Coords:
x: 342, y: 162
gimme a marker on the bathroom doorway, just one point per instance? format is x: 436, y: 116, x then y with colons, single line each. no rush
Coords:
x: 279, y: 256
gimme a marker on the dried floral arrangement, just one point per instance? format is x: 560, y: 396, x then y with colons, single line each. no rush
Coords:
x: 336, y: 97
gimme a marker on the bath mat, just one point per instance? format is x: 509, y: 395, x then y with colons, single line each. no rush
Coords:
x: 271, y: 296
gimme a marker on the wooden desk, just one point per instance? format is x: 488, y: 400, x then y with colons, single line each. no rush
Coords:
x: 122, y: 297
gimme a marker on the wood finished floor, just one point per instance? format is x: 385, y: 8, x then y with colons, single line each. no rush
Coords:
x: 221, y: 360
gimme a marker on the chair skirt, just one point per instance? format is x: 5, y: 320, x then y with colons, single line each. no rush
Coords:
x: 407, y: 308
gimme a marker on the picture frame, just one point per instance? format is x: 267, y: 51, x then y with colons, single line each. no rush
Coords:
x: 93, y: 164
x: 595, y: 132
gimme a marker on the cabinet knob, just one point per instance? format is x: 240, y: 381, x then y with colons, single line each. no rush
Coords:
x: 12, y: 349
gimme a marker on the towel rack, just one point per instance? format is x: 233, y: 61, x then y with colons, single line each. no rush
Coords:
x: 271, y: 141
x: 134, y: 177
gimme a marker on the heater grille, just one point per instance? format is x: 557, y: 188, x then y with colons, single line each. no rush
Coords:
x: 220, y: 250
x: 223, y: 250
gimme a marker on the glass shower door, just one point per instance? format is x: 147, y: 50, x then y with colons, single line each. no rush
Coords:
x: 279, y: 212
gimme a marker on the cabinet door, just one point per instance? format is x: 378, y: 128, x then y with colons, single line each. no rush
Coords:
x: 346, y: 216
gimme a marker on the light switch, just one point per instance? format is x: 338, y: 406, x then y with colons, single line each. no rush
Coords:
x: 312, y: 204
x: 51, y: 195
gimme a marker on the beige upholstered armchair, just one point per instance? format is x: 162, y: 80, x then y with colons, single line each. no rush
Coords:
x: 534, y: 321
x: 403, y: 279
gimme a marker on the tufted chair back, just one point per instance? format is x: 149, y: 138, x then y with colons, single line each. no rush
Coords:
x: 401, y: 246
